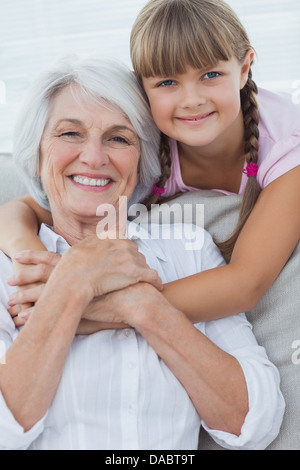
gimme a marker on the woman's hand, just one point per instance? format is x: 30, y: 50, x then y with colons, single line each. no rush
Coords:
x: 109, y: 265
x: 120, y: 264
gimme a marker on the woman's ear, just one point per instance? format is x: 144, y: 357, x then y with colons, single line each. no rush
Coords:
x: 247, y: 62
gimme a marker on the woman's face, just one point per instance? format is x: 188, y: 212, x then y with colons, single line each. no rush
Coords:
x: 89, y: 155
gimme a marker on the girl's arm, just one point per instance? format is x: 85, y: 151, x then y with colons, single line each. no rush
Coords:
x: 263, y: 248
x: 21, y: 219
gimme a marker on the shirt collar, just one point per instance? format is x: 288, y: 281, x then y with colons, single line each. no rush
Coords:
x: 137, y: 233
x: 52, y: 240
x: 141, y: 234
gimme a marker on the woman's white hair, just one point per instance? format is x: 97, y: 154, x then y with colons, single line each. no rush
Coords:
x: 103, y: 80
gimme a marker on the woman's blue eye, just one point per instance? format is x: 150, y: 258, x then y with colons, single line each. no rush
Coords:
x: 121, y: 140
x: 211, y: 75
x: 70, y: 134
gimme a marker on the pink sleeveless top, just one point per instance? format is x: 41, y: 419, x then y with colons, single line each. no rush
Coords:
x: 279, y: 144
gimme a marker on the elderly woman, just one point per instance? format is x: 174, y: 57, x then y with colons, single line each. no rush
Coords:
x: 85, y: 138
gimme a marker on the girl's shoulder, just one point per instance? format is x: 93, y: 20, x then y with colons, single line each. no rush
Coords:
x: 279, y: 115
x: 279, y: 136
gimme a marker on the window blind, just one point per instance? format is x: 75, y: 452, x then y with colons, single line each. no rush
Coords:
x: 33, y: 33
x: 273, y: 27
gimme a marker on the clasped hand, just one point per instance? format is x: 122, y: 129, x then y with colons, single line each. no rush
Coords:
x: 105, y: 266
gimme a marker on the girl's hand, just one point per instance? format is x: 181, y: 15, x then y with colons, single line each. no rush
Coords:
x: 32, y: 271
x: 121, y: 308
x: 93, y: 319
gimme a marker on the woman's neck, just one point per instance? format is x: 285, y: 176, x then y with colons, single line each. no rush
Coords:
x: 74, y: 231
x: 105, y: 224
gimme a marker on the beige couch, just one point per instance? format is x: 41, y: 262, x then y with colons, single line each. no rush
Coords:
x: 276, y: 320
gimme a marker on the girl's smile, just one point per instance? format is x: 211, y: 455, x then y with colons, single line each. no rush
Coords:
x: 196, y: 120
x: 199, y: 107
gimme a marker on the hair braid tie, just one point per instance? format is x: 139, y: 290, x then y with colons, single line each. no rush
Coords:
x: 251, y: 170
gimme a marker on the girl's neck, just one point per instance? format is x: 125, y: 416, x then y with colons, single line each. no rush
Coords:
x: 218, y: 165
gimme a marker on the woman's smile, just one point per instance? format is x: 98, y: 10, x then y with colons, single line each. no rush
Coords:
x: 89, y: 154
x: 91, y: 182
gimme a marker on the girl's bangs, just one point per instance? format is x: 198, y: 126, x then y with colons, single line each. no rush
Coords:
x: 172, y: 44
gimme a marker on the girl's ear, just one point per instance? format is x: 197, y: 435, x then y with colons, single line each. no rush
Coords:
x: 249, y: 57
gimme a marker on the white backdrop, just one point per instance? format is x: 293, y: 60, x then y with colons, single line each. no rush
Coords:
x: 35, y: 32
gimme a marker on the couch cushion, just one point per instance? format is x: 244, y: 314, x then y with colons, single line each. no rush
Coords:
x: 275, y: 320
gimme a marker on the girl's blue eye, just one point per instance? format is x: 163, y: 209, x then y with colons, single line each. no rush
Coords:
x: 166, y: 83
x: 210, y: 75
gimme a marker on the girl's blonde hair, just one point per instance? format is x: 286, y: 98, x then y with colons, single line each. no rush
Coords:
x: 167, y: 36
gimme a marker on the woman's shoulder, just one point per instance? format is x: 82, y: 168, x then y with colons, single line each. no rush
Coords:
x: 279, y: 115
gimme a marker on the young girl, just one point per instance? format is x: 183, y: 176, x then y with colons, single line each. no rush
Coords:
x: 219, y: 132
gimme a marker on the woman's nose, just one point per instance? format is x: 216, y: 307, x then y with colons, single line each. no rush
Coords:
x: 94, y: 153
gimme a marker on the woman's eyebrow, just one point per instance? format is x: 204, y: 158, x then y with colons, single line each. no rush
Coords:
x: 116, y: 127
x: 69, y: 120
x: 121, y: 128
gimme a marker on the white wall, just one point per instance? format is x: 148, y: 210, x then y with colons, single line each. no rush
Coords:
x: 34, y: 32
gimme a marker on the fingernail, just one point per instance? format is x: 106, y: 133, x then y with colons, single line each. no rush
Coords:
x: 24, y: 315
x: 10, y: 281
x: 12, y: 299
x: 18, y: 255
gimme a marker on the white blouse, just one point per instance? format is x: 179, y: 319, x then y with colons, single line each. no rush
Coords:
x: 116, y: 393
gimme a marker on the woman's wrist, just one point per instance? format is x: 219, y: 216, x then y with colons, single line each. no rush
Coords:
x: 72, y: 278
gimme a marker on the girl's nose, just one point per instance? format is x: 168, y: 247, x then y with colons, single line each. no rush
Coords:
x: 192, y: 96
x: 94, y: 154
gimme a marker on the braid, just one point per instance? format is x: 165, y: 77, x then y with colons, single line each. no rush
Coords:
x: 251, y: 121
x: 165, y: 159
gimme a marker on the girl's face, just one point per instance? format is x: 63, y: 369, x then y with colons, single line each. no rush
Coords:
x: 89, y: 155
x: 200, y: 106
